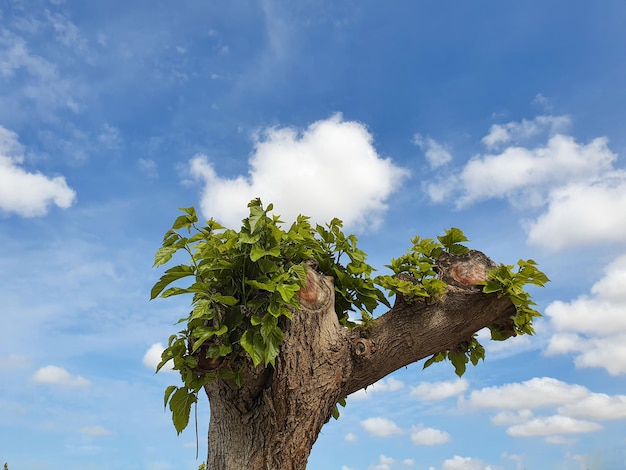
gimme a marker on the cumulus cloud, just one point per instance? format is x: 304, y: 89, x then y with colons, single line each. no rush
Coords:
x: 508, y: 418
x: 552, y: 425
x: 384, y: 463
x: 597, y: 406
x: 534, y: 393
x: 593, y: 327
x: 24, y: 193
x: 350, y: 437
x: 583, y: 213
x: 431, y: 391
x: 331, y: 169
x: 54, y: 375
x: 466, y: 463
x: 152, y: 358
x: 436, y: 153
x: 522, y: 174
x: 429, y: 436
x: 577, y: 408
x: 384, y: 385
x: 535, y: 165
x: 381, y: 427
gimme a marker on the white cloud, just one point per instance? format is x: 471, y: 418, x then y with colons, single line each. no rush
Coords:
x: 384, y: 463
x: 331, y: 169
x: 583, y: 213
x: 152, y: 358
x: 344, y: 467
x: 95, y: 431
x: 37, y: 80
x: 436, y: 153
x: 439, y: 390
x: 514, y: 132
x: 67, y: 33
x: 508, y: 418
x: 559, y: 440
x: 597, y: 406
x: 593, y: 328
x: 149, y: 168
x: 384, y: 385
x: 552, y: 425
x: 350, y: 437
x: 109, y: 136
x: 14, y: 361
x: 428, y: 436
x: 24, y: 193
x: 55, y: 375
x: 408, y: 462
x: 466, y: 463
x: 381, y: 427
x: 525, y: 175
x: 534, y: 393
x: 568, y: 181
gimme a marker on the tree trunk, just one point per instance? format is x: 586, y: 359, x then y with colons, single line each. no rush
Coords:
x: 273, y: 420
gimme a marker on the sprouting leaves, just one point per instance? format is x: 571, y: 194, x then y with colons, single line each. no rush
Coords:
x: 415, y: 275
x: 244, y: 286
x: 504, y: 281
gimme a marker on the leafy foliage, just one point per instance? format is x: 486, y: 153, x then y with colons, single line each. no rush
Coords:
x: 244, y: 286
x: 415, y: 277
x: 415, y: 273
x: 504, y: 281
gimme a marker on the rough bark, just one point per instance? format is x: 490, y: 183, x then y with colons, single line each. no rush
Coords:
x: 272, y: 422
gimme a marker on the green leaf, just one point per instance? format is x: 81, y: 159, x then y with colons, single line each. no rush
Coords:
x: 206, y: 333
x: 168, y: 391
x: 459, y: 361
x: 172, y: 291
x: 163, y: 255
x: 440, y: 356
x: 259, y: 252
x: 252, y: 342
x: 288, y: 291
x: 171, y: 275
x: 180, y: 405
x: 452, y: 241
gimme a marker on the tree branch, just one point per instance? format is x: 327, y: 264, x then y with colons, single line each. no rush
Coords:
x: 411, y: 331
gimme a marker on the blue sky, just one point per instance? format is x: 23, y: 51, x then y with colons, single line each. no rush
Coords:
x: 503, y: 118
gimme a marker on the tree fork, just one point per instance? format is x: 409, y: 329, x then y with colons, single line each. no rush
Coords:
x: 273, y: 420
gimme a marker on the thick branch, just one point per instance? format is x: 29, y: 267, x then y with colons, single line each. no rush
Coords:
x: 411, y: 331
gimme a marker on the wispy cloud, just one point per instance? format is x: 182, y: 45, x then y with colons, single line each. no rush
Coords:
x: 436, y: 153
x: 95, y: 431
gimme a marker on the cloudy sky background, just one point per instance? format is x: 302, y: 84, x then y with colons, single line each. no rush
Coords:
x: 401, y: 118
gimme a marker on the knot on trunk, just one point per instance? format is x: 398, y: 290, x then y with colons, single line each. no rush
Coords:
x: 318, y: 291
x: 464, y: 270
x: 363, y: 348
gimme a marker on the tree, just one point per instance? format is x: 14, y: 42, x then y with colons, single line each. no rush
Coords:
x: 270, y: 340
